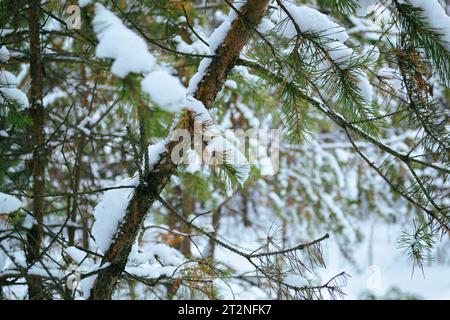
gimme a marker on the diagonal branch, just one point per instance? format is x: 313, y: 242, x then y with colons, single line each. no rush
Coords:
x: 211, y: 83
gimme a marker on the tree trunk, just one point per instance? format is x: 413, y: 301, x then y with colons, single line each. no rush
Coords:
x: 78, y: 168
x: 210, y: 85
x: 34, y: 235
x: 215, y: 221
x: 187, y: 208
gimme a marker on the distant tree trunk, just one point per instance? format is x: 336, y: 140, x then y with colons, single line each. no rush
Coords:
x: 212, y: 82
x: 85, y: 226
x: 215, y: 221
x: 188, y: 207
x: 245, y: 209
x: 78, y: 167
x: 35, y: 234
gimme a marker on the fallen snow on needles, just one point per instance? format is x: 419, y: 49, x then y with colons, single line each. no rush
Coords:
x: 117, y: 42
x: 8, y: 85
x: 436, y: 17
x: 110, y: 211
x: 112, y: 208
x: 330, y: 36
x: 9, y: 203
x: 165, y: 90
x: 130, y: 54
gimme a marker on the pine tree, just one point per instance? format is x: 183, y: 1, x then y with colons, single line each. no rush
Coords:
x: 93, y: 96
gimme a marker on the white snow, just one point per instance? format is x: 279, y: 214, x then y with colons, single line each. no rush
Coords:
x: 266, y: 167
x: 339, y: 53
x: 155, y: 151
x: 220, y: 150
x: 198, y: 108
x: 8, y: 79
x: 214, y: 41
x: 166, y: 254
x: 9, y: 203
x: 295, y: 280
x: 265, y: 25
x: 196, y: 47
x: 231, y: 84
x: 194, y: 163
x: 128, y: 50
x: 435, y: 15
x: 198, y: 76
x: 237, y: 5
x: 15, y: 95
x: 392, y: 77
x: 76, y: 254
x: 4, y: 54
x: 380, y: 266
x: 332, y: 37
x: 84, y: 3
x: 248, y: 114
x: 9, y: 92
x: 152, y: 260
x: 86, y: 283
x: 365, y: 87
x: 223, y: 145
x: 110, y: 211
x: 130, y: 54
x: 312, y: 21
x: 152, y: 271
x: 365, y: 6
x: 372, y: 53
x: 276, y: 200
x: 4, y: 244
x: 165, y: 90
x: 218, y: 36
x: 53, y: 96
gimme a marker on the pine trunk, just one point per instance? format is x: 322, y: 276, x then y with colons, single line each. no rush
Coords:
x: 212, y: 82
x: 34, y: 236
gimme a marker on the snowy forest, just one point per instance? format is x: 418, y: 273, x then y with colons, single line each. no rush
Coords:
x: 220, y: 149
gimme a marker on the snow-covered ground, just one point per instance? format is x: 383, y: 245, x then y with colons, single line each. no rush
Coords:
x: 381, y: 266
x: 379, y: 269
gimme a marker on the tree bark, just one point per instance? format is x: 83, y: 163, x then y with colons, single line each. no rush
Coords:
x: 77, y: 170
x: 34, y: 235
x: 187, y: 208
x: 215, y: 221
x: 208, y: 88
